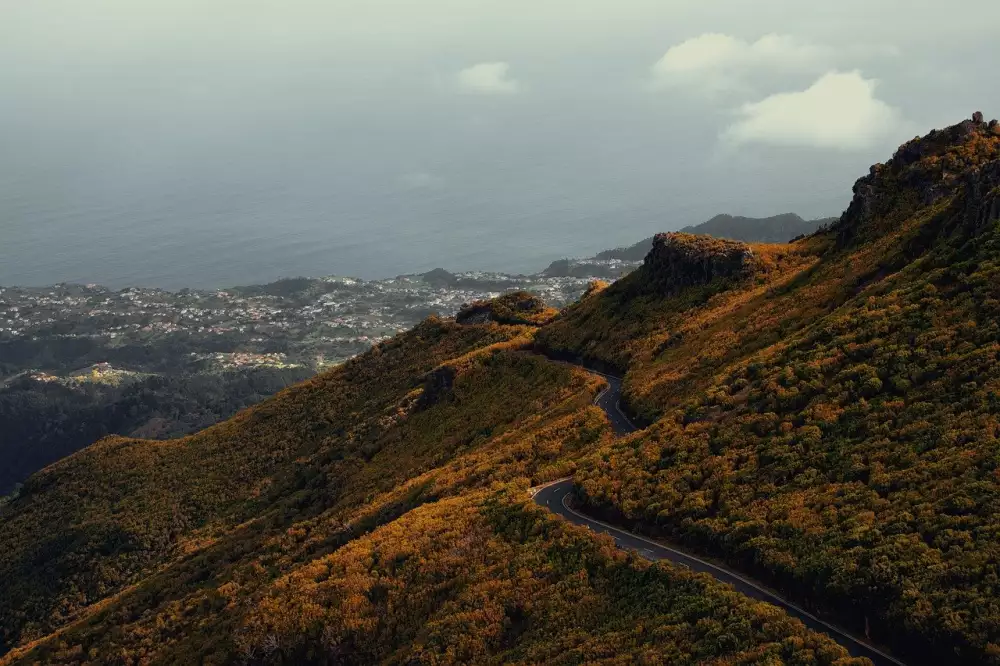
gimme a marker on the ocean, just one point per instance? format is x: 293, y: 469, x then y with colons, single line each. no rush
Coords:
x: 137, y: 213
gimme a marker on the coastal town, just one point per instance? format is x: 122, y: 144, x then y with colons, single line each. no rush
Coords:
x: 308, y: 323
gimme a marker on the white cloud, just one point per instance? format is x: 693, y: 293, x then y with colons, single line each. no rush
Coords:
x: 838, y: 111
x: 488, y: 78
x: 714, y: 62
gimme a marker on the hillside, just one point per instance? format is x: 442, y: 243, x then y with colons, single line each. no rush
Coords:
x: 374, y: 513
x: 182, y: 361
x: 194, y: 358
x: 830, y: 425
x: 822, y: 417
x: 775, y: 229
x: 44, y: 419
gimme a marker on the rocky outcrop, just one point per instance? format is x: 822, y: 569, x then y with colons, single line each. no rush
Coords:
x: 679, y: 260
x: 920, y: 173
x: 981, y: 206
x: 515, y: 308
x: 437, y: 384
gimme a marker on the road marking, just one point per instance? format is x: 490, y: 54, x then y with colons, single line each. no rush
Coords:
x: 597, y: 399
x: 618, y: 408
x: 532, y: 492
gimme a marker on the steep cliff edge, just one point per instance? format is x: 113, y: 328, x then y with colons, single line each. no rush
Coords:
x: 920, y: 175
x: 679, y: 260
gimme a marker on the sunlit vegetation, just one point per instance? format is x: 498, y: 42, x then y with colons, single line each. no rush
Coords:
x: 124, y: 506
x: 851, y: 457
x: 492, y: 580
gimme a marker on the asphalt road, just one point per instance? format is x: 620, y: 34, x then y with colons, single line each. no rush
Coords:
x: 555, y: 497
x: 610, y: 401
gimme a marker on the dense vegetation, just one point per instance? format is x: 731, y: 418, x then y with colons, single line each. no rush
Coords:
x: 210, y: 549
x: 835, y: 432
x: 493, y: 579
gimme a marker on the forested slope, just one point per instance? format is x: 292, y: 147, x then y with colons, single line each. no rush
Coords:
x: 124, y: 507
x: 833, y: 427
x: 43, y: 421
x: 315, y: 528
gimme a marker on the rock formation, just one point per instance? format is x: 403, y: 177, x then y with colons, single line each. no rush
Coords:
x: 517, y: 307
x: 679, y: 260
x: 920, y: 173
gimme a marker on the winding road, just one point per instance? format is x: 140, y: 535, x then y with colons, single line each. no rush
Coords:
x: 556, y: 496
x: 610, y: 401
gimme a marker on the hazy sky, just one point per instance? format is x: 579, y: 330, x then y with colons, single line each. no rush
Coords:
x: 688, y: 108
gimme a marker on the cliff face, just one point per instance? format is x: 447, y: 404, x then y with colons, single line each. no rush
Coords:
x: 679, y: 260
x: 920, y: 174
x: 982, y: 198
